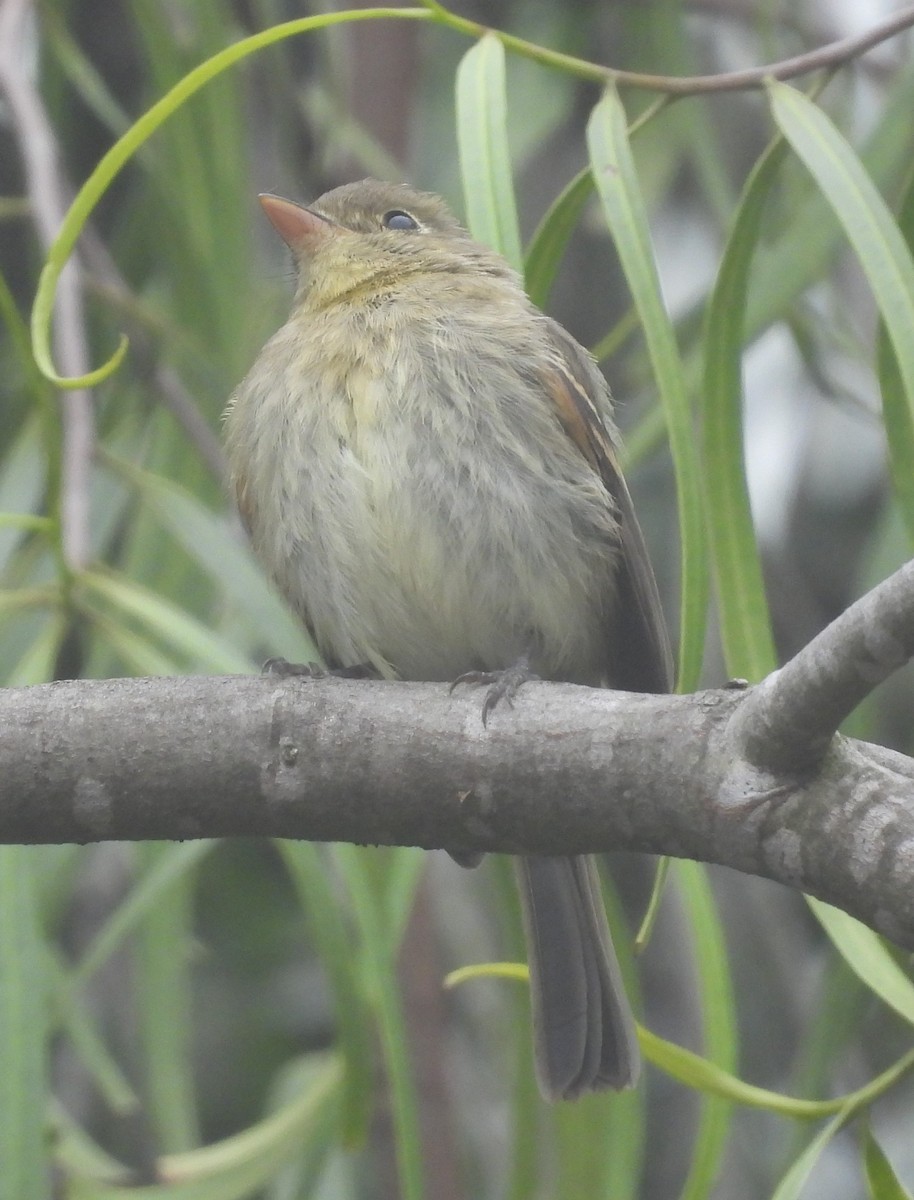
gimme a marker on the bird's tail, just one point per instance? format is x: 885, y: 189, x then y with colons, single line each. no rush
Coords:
x: 583, y: 1028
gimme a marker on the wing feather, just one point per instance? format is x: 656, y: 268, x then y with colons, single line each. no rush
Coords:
x: 637, y: 637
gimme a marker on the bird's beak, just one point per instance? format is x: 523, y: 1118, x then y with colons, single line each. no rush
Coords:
x: 300, y: 228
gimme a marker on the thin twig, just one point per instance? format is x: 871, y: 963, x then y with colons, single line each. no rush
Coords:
x: 830, y: 56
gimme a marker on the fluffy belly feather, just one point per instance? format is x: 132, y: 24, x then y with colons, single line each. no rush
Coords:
x: 428, y: 546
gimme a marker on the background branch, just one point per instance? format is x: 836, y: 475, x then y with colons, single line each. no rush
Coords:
x: 38, y: 149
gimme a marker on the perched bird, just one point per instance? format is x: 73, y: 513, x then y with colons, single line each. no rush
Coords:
x: 427, y: 467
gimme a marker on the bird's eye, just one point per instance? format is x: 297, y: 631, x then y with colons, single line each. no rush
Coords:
x: 397, y: 219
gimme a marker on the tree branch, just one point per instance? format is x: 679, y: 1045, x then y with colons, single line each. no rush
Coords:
x: 753, y: 778
x: 791, y: 717
x: 568, y: 769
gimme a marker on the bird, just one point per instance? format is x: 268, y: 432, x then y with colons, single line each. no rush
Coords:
x: 428, y: 468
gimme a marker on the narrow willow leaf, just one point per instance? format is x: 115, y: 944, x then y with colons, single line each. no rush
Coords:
x: 544, y: 254
x: 36, y: 664
x: 233, y: 1169
x: 718, y: 1024
x: 887, y: 264
x: 745, y: 624
x: 24, y: 1031
x: 704, y: 1076
x: 22, y: 484
x: 623, y: 1145
x: 20, y: 600
x: 899, y: 430
x: 405, y: 865
x: 600, y: 1146
x: 79, y: 1026
x: 169, y: 622
x: 381, y: 980
x: 135, y: 652
x: 797, y: 259
x: 25, y: 521
x: 867, y: 957
x: 525, y: 1110
x: 623, y: 205
x: 78, y: 1156
x: 482, y: 142
x: 209, y: 540
x: 867, y: 221
x: 609, y: 344
x: 168, y: 867
x: 646, y: 930
x: 126, y: 146
x: 308, y: 870
x: 161, y: 963
x: 881, y: 1179
x: 517, y: 971
x: 88, y: 83
x: 896, y: 412
x: 795, y: 1179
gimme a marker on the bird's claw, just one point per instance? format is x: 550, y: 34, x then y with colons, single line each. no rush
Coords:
x: 283, y: 669
x: 502, y: 685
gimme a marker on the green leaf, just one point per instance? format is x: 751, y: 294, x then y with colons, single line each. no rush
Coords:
x: 169, y: 622
x: 87, y: 81
x: 24, y: 1031
x: 308, y: 870
x: 544, y: 254
x: 209, y: 539
x: 613, y: 1139
x: 881, y: 1179
x: 718, y: 1024
x: 169, y: 867
x: 26, y: 521
x: 79, y: 1026
x: 896, y: 410
x: 795, y: 1179
x: 867, y: 221
x: 704, y: 1076
x: 482, y: 142
x: 164, y: 1005
x: 36, y: 663
x: 13, y: 601
x: 232, y: 1169
x: 864, y: 953
x: 800, y: 254
x: 646, y: 929
x: 745, y: 624
x: 600, y: 1146
x: 404, y: 869
x: 623, y: 205
x: 381, y: 981
x: 126, y: 146
x: 136, y: 652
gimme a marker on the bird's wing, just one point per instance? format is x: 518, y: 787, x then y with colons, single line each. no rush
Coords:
x: 637, y: 637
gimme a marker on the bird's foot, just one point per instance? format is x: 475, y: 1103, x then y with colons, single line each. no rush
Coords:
x: 502, y: 685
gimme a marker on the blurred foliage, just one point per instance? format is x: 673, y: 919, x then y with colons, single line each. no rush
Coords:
x: 232, y: 1020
